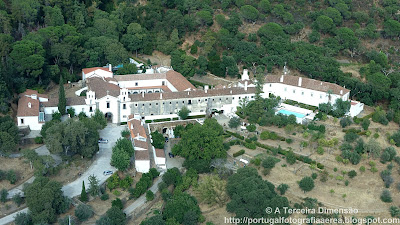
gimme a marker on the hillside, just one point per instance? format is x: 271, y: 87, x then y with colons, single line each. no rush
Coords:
x: 41, y: 42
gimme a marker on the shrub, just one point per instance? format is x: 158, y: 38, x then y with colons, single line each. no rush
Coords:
x: 12, y: 176
x: 3, y: 195
x: 365, y: 124
x: 352, y: 173
x: 386, y: 196
x: 320, y: 150
x: 104, y: 197
x: 116, y: 193
x: 250, y: 145
x: 38, y: 140
x: 239, y: 153
x: 394, y: 211
x: 83, y: 212
x: 270, y: 162
x: 149, y: 195
x: 289, y: 140
x: 290, y: 157
x: 125, y: 133
x: 362, y: 169
x: 282, y: 188
x: 251, y: 128
x: 306, y: 184
x: 314, y: 176
x: 346, y: 121
x: 346, y: 182
x: 117, y: 203
x: 17, y: 199
x: 350, y: 137
x: 256, y: 161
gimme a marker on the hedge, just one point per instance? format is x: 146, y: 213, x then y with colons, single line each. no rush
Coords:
x: 196, y: 117
x: 281, y: 151
x: 238, y: 153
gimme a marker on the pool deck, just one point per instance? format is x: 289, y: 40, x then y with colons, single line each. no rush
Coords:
x: 309, y: 114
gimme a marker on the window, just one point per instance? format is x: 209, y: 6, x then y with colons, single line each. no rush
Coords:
x: 239, y: 97
x: 124, y: 106
x: 124, y: 116
x: 108, y: 105
x: 136, y: 84
x: 156, y: 103
x: 163, y: 83
x: 183, y: 102
x: 150, y: 104
x: 227, y: 99
x: 312, y: 94
x: 233, y: 98
x: 252, y: 96
x: 124, y: 98
x: 142, y: 104
x: 285, y: 89
x: 302, y: 93
x: 22, y: 121
x: 83, y: 109
x: 270, y: 85
x: 320, y: 96
x: 294, y: 91
x: 149, y: 92
x: 136, y: 105
x: 189, y: 102
x: 91, y: 109
x: 170, y: 103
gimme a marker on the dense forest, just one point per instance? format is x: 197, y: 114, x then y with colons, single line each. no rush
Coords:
x: 41, y: 40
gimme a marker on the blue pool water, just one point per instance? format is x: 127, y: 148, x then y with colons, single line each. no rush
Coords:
x: 287, y: 112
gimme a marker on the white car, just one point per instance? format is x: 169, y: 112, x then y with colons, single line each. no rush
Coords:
x: 107, y: 172
x: 103, y: 141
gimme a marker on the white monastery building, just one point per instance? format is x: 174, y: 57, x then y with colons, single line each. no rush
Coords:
x: 163, y: 93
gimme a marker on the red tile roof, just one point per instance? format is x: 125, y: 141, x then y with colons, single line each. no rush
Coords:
x: 89, y: 70
x: 160, y: 153
x: 25, y: 99
x: 135, y: 127
x: 307, y: 83
x: 141, y: 76
x: 141, y: 144
x: 100, y: 87
x: 142, y: 155
x: 179, y: 81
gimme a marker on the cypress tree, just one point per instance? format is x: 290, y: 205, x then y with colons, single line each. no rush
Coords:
x: 62, y: 102
x: 84, y: 197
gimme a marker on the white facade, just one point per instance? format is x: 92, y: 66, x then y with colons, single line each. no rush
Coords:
x: 355, y: 108
x: 142, y: 166
x: 302, y: 95
x: 31, y: 121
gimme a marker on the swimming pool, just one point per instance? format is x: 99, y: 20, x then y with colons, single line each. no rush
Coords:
x: 287, y: 112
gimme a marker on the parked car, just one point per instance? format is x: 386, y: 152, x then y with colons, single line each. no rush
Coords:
x: 166, y: 139
x: 107, y: 172
x: 171, y: 155
x: 103, y: 141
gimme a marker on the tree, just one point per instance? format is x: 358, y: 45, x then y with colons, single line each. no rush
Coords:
x: 7, y: 143
x: 17, y: 199
x: 114, y: 216
x: 180, y: 206
x: 158, y: 139
x: 392, y: 28
x: 127, y: 68
x: 290, y: 157
x: 306, y: 184
x: 184, y: 113
x: 3, y: 195
x: 324, y: 24
x: 264, y: 6
x: 83, y: 212
x: 386, y: 196
x: 211, y: 190
x: 154, y: 220
x: 62, y: 101
x: 373, y: 148
x: 149, y: 195
x: 335, y: 15
x: 271, y: 31
x: 53, y: 16
x: 99, y: 118
x: 84, y: 197
x: 228, y: 64
x: 45, y: 200
x: 204, y: 18
x: 270, y: 162
x: 251, y: 195
x: 201, y: 142
x: 365, y: 124
x: 117, y: 203
x: 282, y: 188
x: 120, y: 159
x: 28, y: 57
x: 135, y: 37
x: 23, y: 219
x: 234, y: 122
x: 249, y: 13
x: 94, y: 188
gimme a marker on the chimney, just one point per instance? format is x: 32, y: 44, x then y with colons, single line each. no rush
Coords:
x: 245, y: 85
x: 230, y: 91
x: 205, y: 88
x: 188, y: 92
x: 110, y: 67
x: 321, y: 83
x: 160, y: 95
x: 299, y: 81
x: 281, y: 80
x: 34, y: 96
x: 245, y: 74
x: 29, y: 105
x: 143, y: 94
x: 341, y: 92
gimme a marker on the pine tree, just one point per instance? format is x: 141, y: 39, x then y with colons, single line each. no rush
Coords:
x: 84, y: 197
x: 61, y: 97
